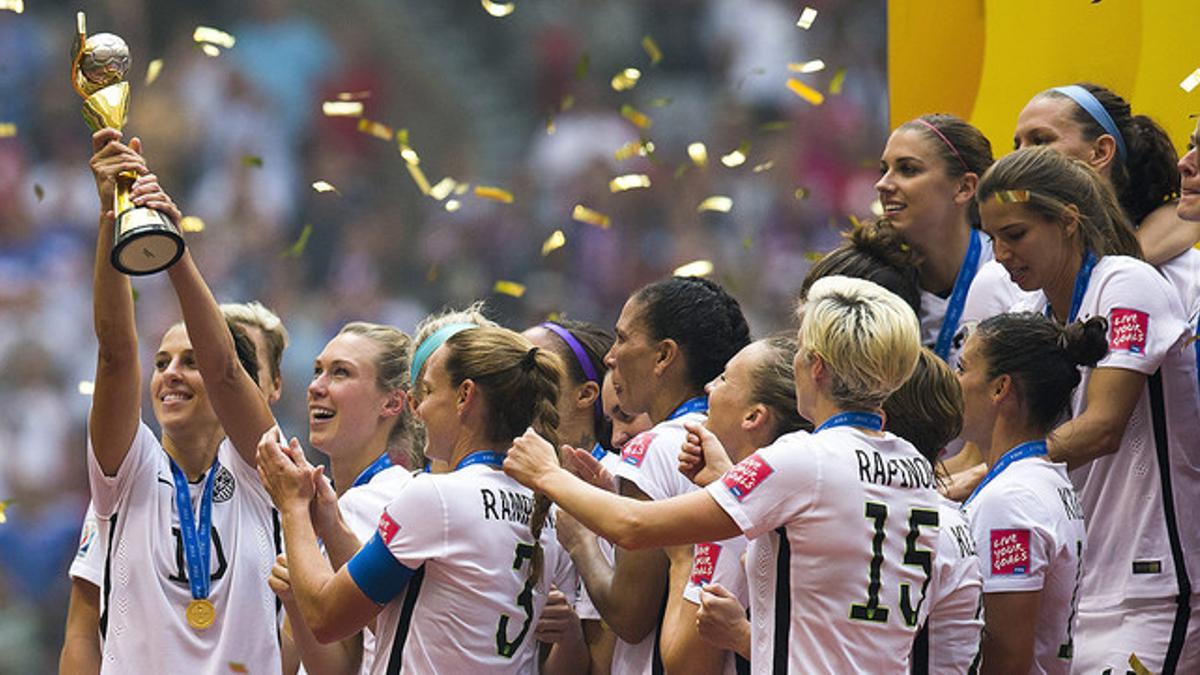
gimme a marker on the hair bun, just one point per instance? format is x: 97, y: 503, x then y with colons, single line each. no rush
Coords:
x: 1086, y: 342
x: 880, y: 240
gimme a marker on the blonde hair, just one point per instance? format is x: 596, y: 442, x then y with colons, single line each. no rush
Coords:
x: 391, y: 374
x: 867, y: 336
x: 472, y: 314
x: 256, y: 315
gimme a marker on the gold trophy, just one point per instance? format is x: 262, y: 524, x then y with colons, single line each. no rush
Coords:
x: 145, y: 240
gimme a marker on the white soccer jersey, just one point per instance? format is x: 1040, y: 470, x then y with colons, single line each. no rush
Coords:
x: 933, y: 307
x: 1028, y: 529
x: 843, y: 531
x: 1183, y: 273
x: 464, y: 539
x: 1138, y: 542
x: 88, y: 563
x: 720, y: 562
x: 949, y: 642
x: 650, y: 461
x: 145, y: 590
x: 993, y: 293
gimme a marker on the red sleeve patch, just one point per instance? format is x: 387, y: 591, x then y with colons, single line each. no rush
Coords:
x: 704, y: 564
x: 387, y: 528
x: 1128, y: 330
x: 635, y: 451
x: 1010, y: 552
x: 746, y: 475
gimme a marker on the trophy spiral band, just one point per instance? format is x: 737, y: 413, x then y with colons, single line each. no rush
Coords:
x: 145, y: 240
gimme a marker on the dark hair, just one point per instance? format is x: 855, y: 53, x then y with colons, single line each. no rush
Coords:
x: 1042, y: 358
x: 1148, y: 176
x: 1046, y: 182
x: 247, y: 353
x: 961, y: 147
x: 704, y: 320
x: 927, y: 410
x: 774, y: 384
x: 874, y: 251
x: 595, y: 342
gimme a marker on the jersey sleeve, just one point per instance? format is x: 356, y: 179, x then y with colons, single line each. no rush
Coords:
x: 108, y: 491
x: 411, y: 530
x: 1013, y: 544
x: 88, y: 564
x: 651, y: 462
x: 769, y: 488
x: 992, y: 293
x: 1145, y: 318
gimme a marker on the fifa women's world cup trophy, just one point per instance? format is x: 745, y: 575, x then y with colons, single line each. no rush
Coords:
x: 145, y: 241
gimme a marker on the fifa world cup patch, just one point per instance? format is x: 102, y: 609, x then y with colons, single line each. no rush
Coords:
x: 87, y: 538
x: 1010, y: 552
x: 704, y: 563
x: 746, y: 475
x: 1128, y: 330
x: 635, y: 451
x: 387, y: 528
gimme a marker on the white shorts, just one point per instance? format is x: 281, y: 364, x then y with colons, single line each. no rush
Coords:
x: 1105, y: 638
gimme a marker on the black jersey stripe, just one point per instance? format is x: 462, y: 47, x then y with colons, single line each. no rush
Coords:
x: 403, y: 625
x: 920, y: 652
x: 1158, y: 416
x: 108, y: 547
x: 783, y: 603
x: 656, y: 662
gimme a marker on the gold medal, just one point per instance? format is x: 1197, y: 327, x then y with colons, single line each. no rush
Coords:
x: 201, y: 614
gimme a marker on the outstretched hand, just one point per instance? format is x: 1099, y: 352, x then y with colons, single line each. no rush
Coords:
x: 530, y: 458
x: 285, y: 473
x: 702, y: 458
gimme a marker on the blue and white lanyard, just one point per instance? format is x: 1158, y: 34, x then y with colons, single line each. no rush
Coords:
x: 866, y: 420
x: 958, y: 297
x: 697, y: 404
x: 1082, y: 278
x: 489, y: 457
x: 598, y: 452
x: 1022, y: 451
x: 368, y: 473
x: 196, y: 532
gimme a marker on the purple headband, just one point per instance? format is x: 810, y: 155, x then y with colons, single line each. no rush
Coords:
x: 581, y: 356
x: 947, y: 142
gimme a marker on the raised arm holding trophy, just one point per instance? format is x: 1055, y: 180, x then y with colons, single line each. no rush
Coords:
x: 145, y: 240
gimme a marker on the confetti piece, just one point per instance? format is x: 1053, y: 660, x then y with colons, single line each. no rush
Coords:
x: 807, y: 17
x: 353, y: 95
x: 838, y: 81
x: 698, y: 268
x: 252, y: 160
x: 765, y: 166
x: 236, y: 667
x: 554, y: 242
x: 642, y: 147
x: 494, y: 193
x: 87, y: 387
x: 1138, y: 667
x: 418, y: 176
x: 661, y: 102
x: 380, y: 131
x: 191, y: 224
x: 342, y: 108
x: 777, y: 125
x: 431, y: 274
x: 877, y: 208
x: 698, y: 153
x: 213, y: 36
x: 509, y: 288
x: 408, y: 153
x: 585, y: 215
x: 461, y: 189
x: 39, y: 191
x: 855, y: 222
x: 639, y: 119
x: 550, y: 126
x: 813, y: 256
x: 1191, y: 81
x: 805, y: 92
x: 4, y: 504
x: 443, y: 188
x: 498, y: 9
x: 814, y: 66
x: 630, y: 181
x: 737, y: 157
x: 17, y: 6
x: 210, y: 50
x: 652, y: 50
x: 681, y: 169
x: 715, y: 203
x: 453, y: 205
x: 152, y: 70
x: 626, y: 79
x: 582, y: 65
x: 297, y: 249
x: 324, y: 186
x: 800, y: 194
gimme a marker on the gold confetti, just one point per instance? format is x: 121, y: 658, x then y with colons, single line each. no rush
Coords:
x: 39, y: 191
x: 585, y: 215
x: 554, y: 242
x: 419, y: 178
x: 838, y: 81
x: 443, y: 188
x: 252, y: 160
x: 4, y: 504
x: 814, y: 66
x: 747, y: 243
x: 630, y: 181
x: 626, y: 79
x: 1191, y: 81
x: 805, y: 92
x: 453, y: 205
x: 681, y: 169
x: 87, y: 387
x: 661, y: 102
x: 715, y: 203
x: 210, y: 50
x: 582, y: 65
x: 406, y: 150
x: 431, y: 274
x: 1138, y: 667
x: 807, y: 17
x: 550, y: 127
x: 697, y: 268
x: 17, y: 6
x: 765, y: 166
x: 642, y: 148
x: 699, y: 154
x: 737, y: 157
x: 191, y: 224
x: 353, y: 95
x: 213, y: 36
x: 297, y: 249
x: 461, y: 189
x: 639, y: 119
x: 324, y: 186
x: 152, y: 70
x: 800, y: 194
x: 342, y: 108
x: 777, y: 125
x: 380, y: 131
x: 509, y: 288
x: 855, y: 222
x: 813, y: 256
x: 494, y: 193
x: 652, y: 50
x: 236, y: 667
x: 877, y: 208
x: 567, y: 103
x: 498, y: 9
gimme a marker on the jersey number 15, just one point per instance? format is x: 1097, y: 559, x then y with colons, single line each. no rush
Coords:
x: 871, y: 610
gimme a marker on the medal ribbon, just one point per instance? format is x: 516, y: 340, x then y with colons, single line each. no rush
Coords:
x: 1082, y: 278
x: 196, y: 532
x: 698, y: 404
x: 866, y: 420
x: 1022, y: 451
x: 489, y: 457
x: 368, y: 473
x: 958, y: 297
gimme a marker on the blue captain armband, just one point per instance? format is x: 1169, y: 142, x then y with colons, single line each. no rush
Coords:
x: 377, y: 573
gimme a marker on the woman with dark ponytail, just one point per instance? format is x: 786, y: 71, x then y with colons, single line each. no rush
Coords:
x: 460, y: 567
x: 1017, y: 373
x: 1130, y: 443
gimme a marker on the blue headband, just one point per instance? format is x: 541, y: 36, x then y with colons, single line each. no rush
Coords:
x: 430, y: 344
x: 1092, y: 105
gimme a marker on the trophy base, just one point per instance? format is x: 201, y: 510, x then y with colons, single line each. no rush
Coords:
x: 146, y: 242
